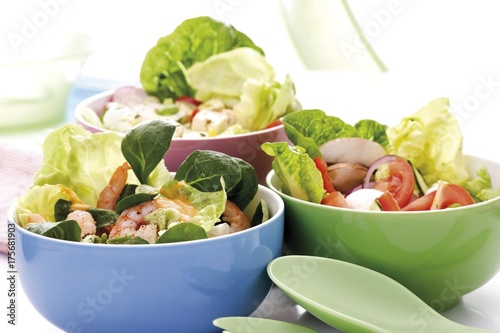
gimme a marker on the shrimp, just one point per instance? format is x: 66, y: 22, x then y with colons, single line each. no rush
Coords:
x: 131, y: 219
x: 111, y: 192
x: 84, y: 220
x: 235, y: 217
x: 36, y: 218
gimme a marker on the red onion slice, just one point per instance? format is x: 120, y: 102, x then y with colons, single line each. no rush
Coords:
x: 375, y: 165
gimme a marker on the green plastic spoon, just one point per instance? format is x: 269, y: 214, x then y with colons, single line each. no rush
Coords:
x: 356, y: 299
x: 258, y: 325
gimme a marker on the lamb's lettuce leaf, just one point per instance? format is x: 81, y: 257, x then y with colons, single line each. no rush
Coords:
x: 296, y: 170
x: 246, y: 189
x: 203, y: 170
x: 145, y: 145
x: 182, y: 232
x: 66, y: 230
x: 431, y: 139
x: 128, y: 240
x: 163, y: 72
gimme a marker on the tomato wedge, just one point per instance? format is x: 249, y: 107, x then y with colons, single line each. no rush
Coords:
x: 387, y: 202
x: 189, y: 99
x: 335, y: 199
x: 274, y: 123
x: 400, y: 181
x: 422, y: 203
x: 322, y: 167
x: 451, y: 194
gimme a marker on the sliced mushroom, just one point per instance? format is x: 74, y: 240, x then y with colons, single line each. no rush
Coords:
x: 346, y: 176
x: 352, y: 150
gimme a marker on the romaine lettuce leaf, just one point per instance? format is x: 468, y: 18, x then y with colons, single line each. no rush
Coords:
x: 296, y: 170
x: 163, y: 72
x: 372, y: 130
x: 432, y: 140
x: 311, y: 128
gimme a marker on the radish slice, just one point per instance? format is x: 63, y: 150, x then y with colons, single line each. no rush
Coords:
x: 374, y: 166
x: 129, y: 95
x: 352, y: 150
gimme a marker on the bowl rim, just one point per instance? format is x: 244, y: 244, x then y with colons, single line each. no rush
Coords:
x: 272, y: 175
x: 83, y: 105
x: 263, y: 190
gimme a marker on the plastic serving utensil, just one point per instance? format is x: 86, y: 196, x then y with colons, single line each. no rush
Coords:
x: 258, y: 325
x: 356, y: 299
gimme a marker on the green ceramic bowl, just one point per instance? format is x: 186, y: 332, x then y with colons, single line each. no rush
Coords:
x: 439, y: 255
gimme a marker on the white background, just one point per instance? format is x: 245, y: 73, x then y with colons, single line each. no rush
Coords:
x: 432, y: 49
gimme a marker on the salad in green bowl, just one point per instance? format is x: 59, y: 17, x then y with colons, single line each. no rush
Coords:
x: 415, y: 165
x: 115, y: 189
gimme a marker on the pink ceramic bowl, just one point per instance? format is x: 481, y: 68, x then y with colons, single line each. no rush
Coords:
x: 245, y: 146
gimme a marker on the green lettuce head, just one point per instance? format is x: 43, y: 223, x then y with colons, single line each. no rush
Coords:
x: 163, y: 72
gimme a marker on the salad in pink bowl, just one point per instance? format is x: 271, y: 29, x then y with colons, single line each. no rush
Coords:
x: 213, y: 83
x: 207, y: 78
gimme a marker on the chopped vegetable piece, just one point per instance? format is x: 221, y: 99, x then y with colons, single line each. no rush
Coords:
x: 448, y: 194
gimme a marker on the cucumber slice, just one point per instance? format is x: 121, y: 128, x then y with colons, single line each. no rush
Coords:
x: 420, y: 183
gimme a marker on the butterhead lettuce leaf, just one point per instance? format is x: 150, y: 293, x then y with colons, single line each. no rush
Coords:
x: 163, y: 71
x: 480, y: 187
x: 222, y: 75
x: 210, y: 205
x: 41, y: 199
x: 261, y: 102
x: 85, y: 162
x: 431, y: 139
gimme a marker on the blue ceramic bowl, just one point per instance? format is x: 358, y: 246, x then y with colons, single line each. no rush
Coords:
x: 177, y: 287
